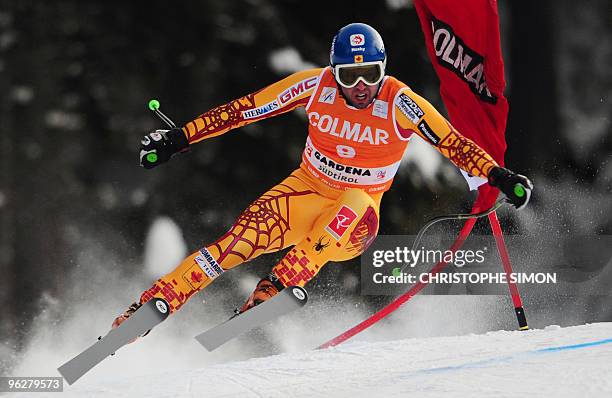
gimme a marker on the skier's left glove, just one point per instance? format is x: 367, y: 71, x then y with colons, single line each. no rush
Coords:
x: 159, y: 146
x: 516, y: 187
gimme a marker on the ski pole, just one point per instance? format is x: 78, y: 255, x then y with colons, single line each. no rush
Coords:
x: 399, y: 301
x: 519, y: 190
x: 459, y: 217
x: 154, y: 106
x: 471, y: 218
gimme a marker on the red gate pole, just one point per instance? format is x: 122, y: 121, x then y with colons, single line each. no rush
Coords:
x: 505, y: 258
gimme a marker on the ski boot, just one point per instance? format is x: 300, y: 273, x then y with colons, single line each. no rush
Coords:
x: 266, y: 288
x: 126, y: 314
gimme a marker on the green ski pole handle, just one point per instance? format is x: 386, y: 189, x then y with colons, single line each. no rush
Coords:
x: 522, y: 192
x: 152, y: 157
x: 519, y: 190
x: 154, y: 106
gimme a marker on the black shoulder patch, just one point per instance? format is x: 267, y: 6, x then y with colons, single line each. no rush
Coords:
x: 428, y: 132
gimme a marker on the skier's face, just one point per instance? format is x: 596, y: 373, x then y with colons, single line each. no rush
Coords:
x: 361, y: 95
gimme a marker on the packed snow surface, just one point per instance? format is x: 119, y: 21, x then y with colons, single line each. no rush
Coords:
x: 550, y: 362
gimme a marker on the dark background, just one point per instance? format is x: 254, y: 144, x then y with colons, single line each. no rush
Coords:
x: 76, y: 76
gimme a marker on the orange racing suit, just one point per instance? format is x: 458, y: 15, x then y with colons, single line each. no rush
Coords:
x: 327, y: 209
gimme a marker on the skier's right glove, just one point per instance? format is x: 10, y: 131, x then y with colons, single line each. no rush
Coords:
x: 516, y: 187
x: 159, y: 146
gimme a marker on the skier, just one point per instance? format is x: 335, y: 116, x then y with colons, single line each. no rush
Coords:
x: 360, y: 121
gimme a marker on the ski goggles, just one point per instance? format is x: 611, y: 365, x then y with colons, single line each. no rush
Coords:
x: 348, y: 75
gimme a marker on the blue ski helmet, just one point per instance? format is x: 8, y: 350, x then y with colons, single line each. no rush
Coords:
x: 357, y: 43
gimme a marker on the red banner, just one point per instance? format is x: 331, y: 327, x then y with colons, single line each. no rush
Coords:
x: 463, y: 42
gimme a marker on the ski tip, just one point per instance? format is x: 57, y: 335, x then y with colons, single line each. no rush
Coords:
x: 206, y: 343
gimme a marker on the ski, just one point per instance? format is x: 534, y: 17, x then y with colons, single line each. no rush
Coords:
x: 149, y: 315
x: 286, y: 301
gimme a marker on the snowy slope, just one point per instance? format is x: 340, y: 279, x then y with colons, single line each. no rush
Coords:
x: 555, y: 361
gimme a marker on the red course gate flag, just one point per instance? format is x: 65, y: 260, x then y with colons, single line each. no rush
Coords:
x: 463, y: 43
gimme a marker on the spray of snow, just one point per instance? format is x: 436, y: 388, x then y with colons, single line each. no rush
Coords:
x: 100, y: 290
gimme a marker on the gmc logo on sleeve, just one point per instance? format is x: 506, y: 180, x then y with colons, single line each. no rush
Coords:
x: 297, y: 89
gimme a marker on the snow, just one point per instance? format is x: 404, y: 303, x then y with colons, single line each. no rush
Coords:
x: 553, y: 361
x: 426, y: 161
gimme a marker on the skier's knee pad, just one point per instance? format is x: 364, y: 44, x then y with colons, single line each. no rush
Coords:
x: 361, y: 237
x: 362, y: 231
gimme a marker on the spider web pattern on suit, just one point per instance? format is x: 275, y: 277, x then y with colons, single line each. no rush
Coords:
x: 268, y: 218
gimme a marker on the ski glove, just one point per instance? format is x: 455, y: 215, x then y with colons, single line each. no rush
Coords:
x: 159, y: 146
x: 508, y: 182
